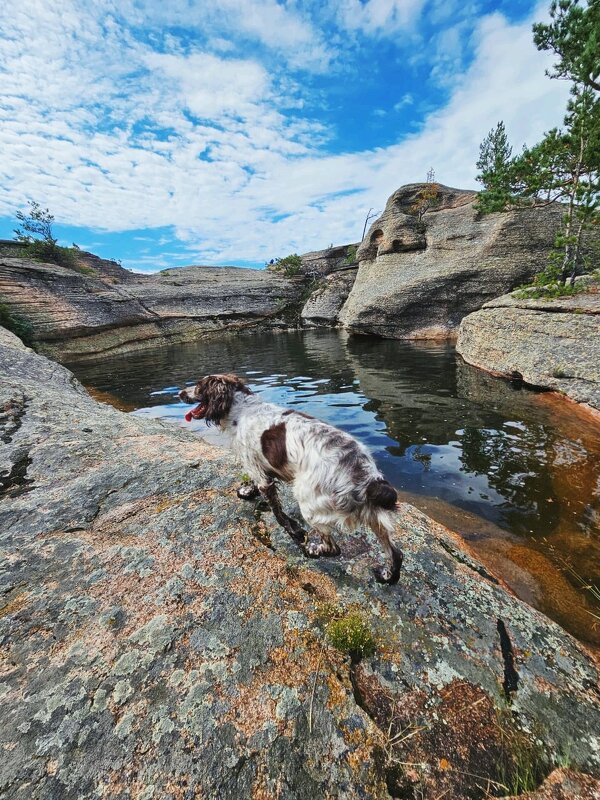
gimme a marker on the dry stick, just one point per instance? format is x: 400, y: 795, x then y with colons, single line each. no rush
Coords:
x: 314, y: 687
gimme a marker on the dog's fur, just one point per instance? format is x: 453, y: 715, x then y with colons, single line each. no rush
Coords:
x: 334, y: 478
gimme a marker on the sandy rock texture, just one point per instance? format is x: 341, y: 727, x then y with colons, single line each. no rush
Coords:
x: 161, y: 639
x: 323, y: 307
x: 82, y: 315
x: 322, y: 262
x: 419, y: 279
x: 554, y: 344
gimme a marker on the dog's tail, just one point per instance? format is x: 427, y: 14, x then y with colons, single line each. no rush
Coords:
x: 381, y: 494
x: 382, y: 504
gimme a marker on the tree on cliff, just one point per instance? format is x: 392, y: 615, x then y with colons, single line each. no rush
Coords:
x: 36, y: 230
x: 36, y: 225
x: 426, y: 199
x: 574, y: 35
x: 495, y: 171
x: 565, y: 166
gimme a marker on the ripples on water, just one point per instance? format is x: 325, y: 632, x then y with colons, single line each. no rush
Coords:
x: 517, y: 473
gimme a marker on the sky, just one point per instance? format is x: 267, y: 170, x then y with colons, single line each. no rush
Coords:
x: 236, y: 131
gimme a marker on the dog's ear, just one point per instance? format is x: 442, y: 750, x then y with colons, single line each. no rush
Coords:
x: 218, y: 393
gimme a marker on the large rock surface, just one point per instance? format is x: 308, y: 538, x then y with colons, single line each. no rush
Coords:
x: 160, y: 639
x: 84, y: 315
x: 323, y: 262
x: 322, y: 309
x: 418, y: 280
x: 554, y: 344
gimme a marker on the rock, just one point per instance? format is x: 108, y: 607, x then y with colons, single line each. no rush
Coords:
x: 322, y: 262
x: 79, y: 316
x: 554, y: 344
x: 162, y: 639
x: 324, y: 304
x: 418, y: 280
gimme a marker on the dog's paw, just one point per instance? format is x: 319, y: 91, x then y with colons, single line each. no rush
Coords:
x: 386, y: 575
x: 312, y: 550
x: 248, y: 491
x: 320, y: 549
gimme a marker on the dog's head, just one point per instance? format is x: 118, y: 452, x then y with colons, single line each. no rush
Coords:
x: 214, y: 395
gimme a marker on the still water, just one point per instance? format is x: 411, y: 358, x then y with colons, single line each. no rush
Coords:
x: 515, y: 472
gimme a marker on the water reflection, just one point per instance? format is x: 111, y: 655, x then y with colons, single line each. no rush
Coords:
x: 516, y: 472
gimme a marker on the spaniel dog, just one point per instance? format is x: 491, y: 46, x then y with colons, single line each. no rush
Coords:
x: 334, y: 478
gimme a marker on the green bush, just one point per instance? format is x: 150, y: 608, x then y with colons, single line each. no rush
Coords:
x: 290, y: 265
x: 48, y: 252
x: 351, y: 634
x: 351, y: 254
x: 548, y: 291
x: 16, y: 324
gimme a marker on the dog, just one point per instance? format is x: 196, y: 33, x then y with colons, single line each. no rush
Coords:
x: 334, y: 478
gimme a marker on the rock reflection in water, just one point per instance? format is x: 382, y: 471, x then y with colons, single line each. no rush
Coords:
x: 514, y: 471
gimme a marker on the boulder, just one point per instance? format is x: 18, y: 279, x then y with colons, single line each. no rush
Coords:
x: 322, y: 308
x: 77, y: 316
x: 550, y: 343
x: 418, y: 278
x: 162, y: 639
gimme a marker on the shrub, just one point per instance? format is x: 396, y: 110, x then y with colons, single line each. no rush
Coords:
x: 290, y: 265
x: 351, y: 254
x: 49, y: 252
x: 16, y: 324
x: 351, y: 634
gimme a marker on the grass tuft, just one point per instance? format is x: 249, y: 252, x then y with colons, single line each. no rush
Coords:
x: 352, y: 635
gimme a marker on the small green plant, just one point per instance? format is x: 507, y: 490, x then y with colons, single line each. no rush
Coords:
x: 244, y: 477
x: 290, y: 265
x: 523, y: 764
x: 351, y: 634
x: 351, y: 254
x: 16, y: 324
x: 327, y: 612
x: 559, y: 373
x: 48, y: 252
x: 546, y: 286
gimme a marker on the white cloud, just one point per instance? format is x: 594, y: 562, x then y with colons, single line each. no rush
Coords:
x: 115, y: 135
x: 406, y: 100
x: 383, y: 17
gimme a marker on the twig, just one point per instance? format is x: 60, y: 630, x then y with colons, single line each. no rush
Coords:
x: 314, y: 687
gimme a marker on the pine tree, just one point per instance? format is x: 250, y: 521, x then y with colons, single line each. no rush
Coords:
x: 565, y: 167
x: 574, y: 36
x: 495, y: 171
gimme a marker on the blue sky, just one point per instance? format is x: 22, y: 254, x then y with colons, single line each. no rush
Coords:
x: 232, y: 132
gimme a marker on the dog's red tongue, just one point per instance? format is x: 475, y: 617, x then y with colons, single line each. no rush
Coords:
x: 195, y: 413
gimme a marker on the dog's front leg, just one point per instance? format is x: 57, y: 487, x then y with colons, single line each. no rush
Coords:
x: 293, y: 528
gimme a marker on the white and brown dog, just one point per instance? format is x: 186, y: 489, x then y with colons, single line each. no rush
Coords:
x: 334, y: 478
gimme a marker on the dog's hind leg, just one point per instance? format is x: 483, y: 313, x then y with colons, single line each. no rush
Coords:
x: 293, y: 528
x: 390, y: 573
x: 325, y: 546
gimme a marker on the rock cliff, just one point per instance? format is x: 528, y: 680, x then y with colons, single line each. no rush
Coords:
x: 418, y: 279
x: 323, y: 307
x: 80, y: 315
x: 554, y: 344
x: 162, y: 639
x: 322, y: 262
